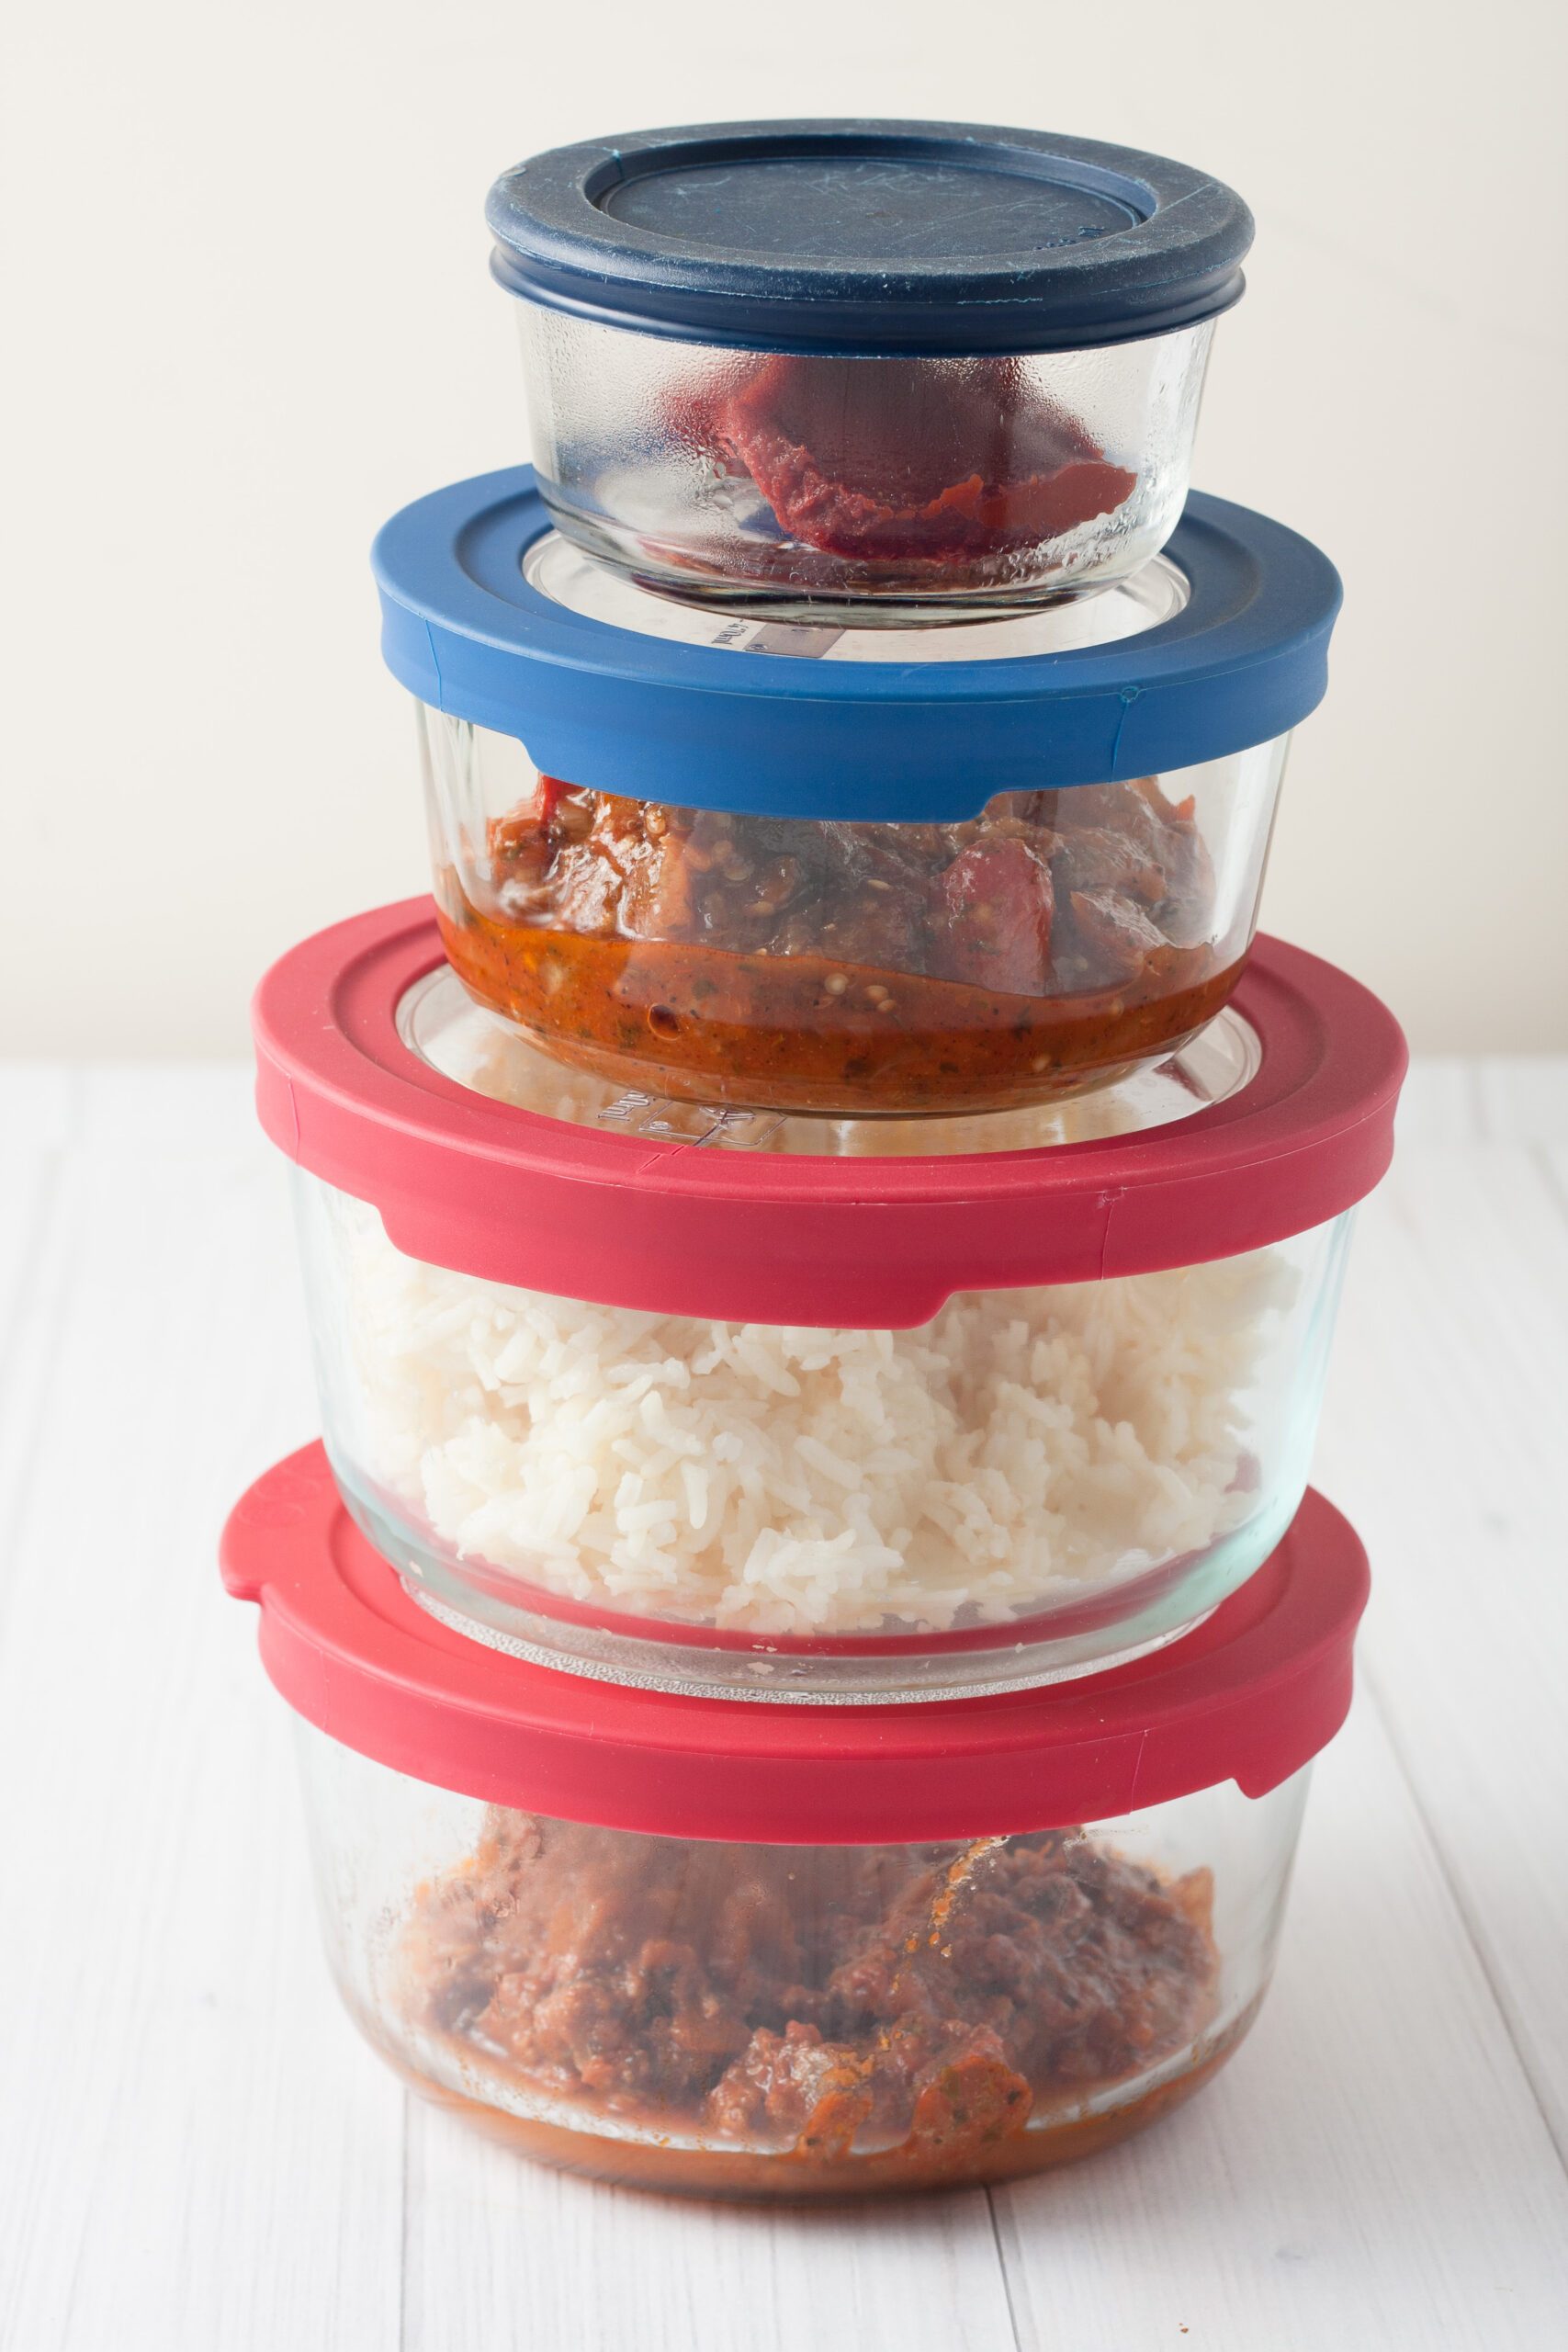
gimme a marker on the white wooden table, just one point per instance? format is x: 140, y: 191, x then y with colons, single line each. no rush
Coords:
x: 197, y: 2155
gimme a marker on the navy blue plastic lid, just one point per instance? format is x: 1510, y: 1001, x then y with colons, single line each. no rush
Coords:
x: 765, y: 734
x: 864, y: 237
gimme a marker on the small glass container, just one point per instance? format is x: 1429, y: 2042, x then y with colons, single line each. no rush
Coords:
x: 741, y: 1954
x: 679, y: 1397
x: 795, y: 868
x: 881, y: 368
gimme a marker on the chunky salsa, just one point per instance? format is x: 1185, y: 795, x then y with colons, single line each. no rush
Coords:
x: 849, y: 969
x: 904, y: 2009
x: 879, y: 460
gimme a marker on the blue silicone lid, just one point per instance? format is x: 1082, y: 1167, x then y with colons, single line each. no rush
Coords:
x: 765, y: 734
x: 862, y: 237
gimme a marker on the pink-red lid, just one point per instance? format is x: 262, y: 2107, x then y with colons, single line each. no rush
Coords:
x: 485, y: 1188
x: 1250, y: 1696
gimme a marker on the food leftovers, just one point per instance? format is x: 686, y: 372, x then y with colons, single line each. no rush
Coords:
x: 917, y: 2011
x: 789, y: 965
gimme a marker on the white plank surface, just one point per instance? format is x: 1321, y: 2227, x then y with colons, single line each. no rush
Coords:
x: 196, y: 2156
x: 1371, y: 2170
x: 187, y: 2157
x: 502, y: 2259
x: 1445, y: 1440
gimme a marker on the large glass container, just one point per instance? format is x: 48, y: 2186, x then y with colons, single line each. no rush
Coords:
x: 850, y: 1410
x: 687, y: 1943
x: 796, y: 2021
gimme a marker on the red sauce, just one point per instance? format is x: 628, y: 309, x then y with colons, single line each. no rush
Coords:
x: 806, y: 2019
x: 897, y: 460
x: 1047, y: 2141
x: 846, y: 968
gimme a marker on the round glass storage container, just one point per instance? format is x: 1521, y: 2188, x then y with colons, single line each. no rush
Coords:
x: 870, y: 1410
x: 878, y: 367
x: 696, y: 1946
x: 797, y: 868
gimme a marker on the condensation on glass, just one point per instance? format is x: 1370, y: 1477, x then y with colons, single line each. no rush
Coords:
x: 873, y: 488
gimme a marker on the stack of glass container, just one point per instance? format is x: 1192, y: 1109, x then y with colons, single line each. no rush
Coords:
x: 808, y: 1623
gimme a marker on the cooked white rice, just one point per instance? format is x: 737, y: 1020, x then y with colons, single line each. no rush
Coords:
x: 1023, y: 1448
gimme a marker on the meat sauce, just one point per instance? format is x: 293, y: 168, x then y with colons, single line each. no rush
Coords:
x: 851, y: 969
x: 886, y: 461
x: 812, y: 2017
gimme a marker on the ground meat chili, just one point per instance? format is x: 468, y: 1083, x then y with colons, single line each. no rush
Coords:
x: 905, y: 2010
x: 889, y: 460
x: 847, y: 969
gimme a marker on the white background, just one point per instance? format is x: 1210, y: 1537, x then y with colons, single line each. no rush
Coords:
x: 249, y: 315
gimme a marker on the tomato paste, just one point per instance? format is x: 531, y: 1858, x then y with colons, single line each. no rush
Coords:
x: 898, y: 460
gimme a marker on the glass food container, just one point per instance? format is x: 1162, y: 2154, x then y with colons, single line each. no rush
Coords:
x: 871, y: 367
x: 756, y: 1952
x: 689, y: 1401
x: 743, y: 862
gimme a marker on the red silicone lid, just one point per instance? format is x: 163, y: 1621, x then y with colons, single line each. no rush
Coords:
x: 1250, y: 1696
x: 489, y: 1190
